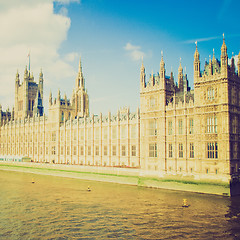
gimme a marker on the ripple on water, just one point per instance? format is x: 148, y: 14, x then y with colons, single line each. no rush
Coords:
x: 58, y: 208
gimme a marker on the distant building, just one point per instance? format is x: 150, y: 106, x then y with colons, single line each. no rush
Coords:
x: 177, y: 132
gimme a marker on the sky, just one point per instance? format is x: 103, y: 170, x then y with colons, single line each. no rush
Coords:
x: 111, y: 37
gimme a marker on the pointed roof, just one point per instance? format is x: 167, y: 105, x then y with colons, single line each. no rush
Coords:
x: 196, y: 54
x: 224, y: 47
x: 180, y: 69
x: 162, y: 64
x: 142, y: 67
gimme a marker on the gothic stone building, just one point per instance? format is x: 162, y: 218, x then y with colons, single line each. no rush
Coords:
x: 178, y: 131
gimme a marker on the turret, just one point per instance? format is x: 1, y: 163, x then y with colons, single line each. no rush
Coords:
x: 224, y: 59
x: 17, y: 80
x: 142, y: 76
x: 59, y: 96
x: 26, y: 76
x: 233, y: 65
x: 152, y: 79
x: 238, y: 64
x: 80, y: 79
x: 210, y: 72
x: 162, y: 69
x: 40, y: 84
x: 180, y: 76
x: 50, y: 98
x: 196, y: 64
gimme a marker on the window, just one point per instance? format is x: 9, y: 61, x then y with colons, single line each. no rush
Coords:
x: 235, y: 150
x: 170, y: 153
x: 75, y: 150
x: 114, y: 150
x: 234, y: 124
x: 53, y: 150
x: 212, y: 124
x: 134, y: 150
x: 212, y: 150
x: 53, y: 136
x: 210, y: 93
x: 152, y: 150
x: 169, y: 127
x: 191, y: 150
x: 152, y: 127
x: 68, y: 150
x: 180, y: 150
x: 180, y: 126
x: 105, y: 151
x: 191, y: 126
x: 89, y: 150
x: 123, y: 150
x: 97, y: 150
x: 82, y: 150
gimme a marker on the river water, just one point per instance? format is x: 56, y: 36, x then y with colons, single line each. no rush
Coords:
x: 62, y: 208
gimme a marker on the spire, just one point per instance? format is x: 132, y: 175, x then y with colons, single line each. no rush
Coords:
x: 238, y: 64
x: 180, y: 69
x: 233, y: 64
x: 180, y: 76
x: 80, y: 65
x: 213, y: 59
x: 196, y: 54
x: 59, y: 95
x: 224, y: 58
x: 50, y: 98
x: 224, y: 47
x: 142, y: 76
x: 80, y: 80
x: 41, y: 74
x: 17, y: 78
x: 26, y: 73
x: 162, y: 68
x: 142, y: 67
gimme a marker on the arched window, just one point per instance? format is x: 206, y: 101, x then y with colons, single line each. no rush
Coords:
x: 62, y: 117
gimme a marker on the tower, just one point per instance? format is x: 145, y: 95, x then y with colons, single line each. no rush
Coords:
x: 180, y: 77
x: 162, y: 73
x: 80, y: 99
x: 26, y: 94
x: 196, y: 64
x: 224, y: 59
x: 142, y: 76
x: 238, y: 64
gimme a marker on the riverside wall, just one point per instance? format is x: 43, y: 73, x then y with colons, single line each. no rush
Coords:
x: 129, y: 176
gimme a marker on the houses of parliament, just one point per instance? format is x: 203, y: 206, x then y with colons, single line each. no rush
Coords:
x: 176, y: 131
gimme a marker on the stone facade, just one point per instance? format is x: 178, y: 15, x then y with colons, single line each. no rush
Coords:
x: 178, y: 131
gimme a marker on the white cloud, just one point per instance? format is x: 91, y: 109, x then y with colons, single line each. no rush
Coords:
x: 71, y: 57
x: 32, y: 25
x: 202, y: 39
x: 134, y: 52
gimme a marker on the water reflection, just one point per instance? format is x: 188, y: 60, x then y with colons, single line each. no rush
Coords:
x: 60, y: 208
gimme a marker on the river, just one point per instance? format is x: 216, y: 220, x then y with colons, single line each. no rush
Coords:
x: 62, y: 208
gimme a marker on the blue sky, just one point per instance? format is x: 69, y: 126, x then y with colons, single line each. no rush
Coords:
x: 111, y: 36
